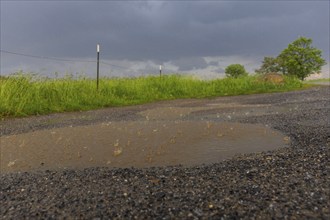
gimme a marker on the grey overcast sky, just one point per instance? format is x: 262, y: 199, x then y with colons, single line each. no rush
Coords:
x: 195, y: 37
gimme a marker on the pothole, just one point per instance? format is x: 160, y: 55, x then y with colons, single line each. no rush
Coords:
x: 134, y: 144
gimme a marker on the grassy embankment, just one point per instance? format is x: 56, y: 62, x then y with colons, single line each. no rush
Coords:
x: 23, y: 95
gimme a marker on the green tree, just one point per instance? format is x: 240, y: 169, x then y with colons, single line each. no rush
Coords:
x: 269, y: 65
x: 235, y: 71
x: 300, y: 59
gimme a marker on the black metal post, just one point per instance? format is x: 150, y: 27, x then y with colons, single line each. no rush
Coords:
x: 160, y: 71
x: 98, y: 66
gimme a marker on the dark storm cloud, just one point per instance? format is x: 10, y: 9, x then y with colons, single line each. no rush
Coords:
x: 219, y: 70
x: 161, y: 31
x: 189, y: 63
x: 213, y: 63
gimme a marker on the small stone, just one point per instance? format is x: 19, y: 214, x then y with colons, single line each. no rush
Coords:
x: 117, y: 152
x: 11, y: 163
x: 286, y: 139
x: 116, y: 144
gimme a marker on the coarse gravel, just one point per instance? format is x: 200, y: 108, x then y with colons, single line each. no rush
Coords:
x: 288, y: 183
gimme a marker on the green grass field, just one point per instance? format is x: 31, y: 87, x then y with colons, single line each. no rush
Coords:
x: 23, y: 94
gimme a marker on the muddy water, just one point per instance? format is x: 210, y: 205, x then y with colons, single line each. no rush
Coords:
x: 137, y: 144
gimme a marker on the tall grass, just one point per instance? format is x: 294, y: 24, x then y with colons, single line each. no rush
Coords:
x: 22, y: 95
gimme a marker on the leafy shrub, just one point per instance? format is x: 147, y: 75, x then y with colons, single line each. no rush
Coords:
x: 235, y: 71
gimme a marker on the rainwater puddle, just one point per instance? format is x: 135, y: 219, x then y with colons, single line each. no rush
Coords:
x: 134, y: 144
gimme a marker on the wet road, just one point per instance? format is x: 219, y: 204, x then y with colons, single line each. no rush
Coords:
x: 285, y: 183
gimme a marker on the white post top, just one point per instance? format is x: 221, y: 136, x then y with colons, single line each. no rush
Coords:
x: 160, y: 67
x: 98, y: 48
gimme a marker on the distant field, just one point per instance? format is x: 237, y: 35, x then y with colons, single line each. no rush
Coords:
x: 325, y: 81
x: 23, y: 94
x: 319, y: 80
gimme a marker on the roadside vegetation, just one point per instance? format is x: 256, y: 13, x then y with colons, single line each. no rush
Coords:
x: 24, y: 94
x: 299, y: 59
x: 235, y: 71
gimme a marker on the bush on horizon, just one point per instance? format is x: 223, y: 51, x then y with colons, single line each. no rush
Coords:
x: 235, y: 71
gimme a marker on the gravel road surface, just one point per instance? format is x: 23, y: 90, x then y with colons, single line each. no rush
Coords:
x: 288, y: 183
